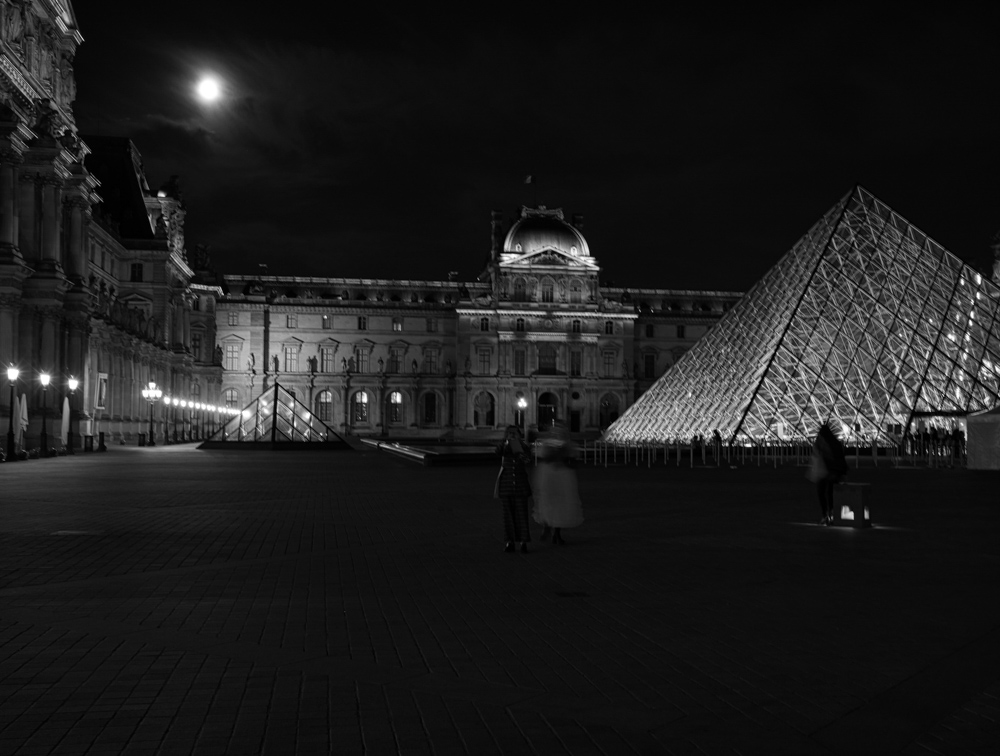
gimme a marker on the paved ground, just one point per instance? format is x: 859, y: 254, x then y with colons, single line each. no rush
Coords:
x: 175, y: 601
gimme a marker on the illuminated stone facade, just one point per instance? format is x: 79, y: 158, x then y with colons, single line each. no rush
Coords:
x: 95, y: 282
x: 449, y: 358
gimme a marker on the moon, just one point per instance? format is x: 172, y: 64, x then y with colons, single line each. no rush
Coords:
x: 208, y: 89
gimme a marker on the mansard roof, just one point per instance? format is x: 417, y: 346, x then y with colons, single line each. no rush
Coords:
x: 116, y: 162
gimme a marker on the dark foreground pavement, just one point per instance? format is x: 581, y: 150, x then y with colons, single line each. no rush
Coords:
x: 174, y: 601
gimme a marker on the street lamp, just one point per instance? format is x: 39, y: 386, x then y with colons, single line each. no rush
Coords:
x: 522, y: 405
x: 72, y: 383
x: 152, y: 395
x: 12, y: 373
x: 184, y: 405
x: 45, y: 378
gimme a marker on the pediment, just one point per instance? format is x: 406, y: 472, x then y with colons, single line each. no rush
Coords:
x: 548, y: 257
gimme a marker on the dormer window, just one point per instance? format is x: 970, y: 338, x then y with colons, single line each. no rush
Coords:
x: 517, y: 247
x: 573, y: 251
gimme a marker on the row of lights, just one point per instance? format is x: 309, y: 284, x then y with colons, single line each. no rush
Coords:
x: 45, y: 379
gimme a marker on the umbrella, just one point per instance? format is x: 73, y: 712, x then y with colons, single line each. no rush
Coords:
x: 23, y: 428
x: 65, y: 421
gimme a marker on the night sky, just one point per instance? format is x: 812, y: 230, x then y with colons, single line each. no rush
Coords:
x: 699, y: 148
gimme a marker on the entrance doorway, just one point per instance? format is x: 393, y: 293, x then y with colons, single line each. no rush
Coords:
x: 547, y: 414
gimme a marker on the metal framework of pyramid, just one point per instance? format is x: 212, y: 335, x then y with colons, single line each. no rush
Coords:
x: 275, y: 417
x: 865, y: 322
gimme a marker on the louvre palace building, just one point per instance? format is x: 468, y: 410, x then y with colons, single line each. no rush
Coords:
x: 536, y: 338
x: 96, y: 284
x: 99, y: 290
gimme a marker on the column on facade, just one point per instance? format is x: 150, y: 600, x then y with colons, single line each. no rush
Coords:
x: 8, y: 188
x: 186, y: 320
x: 49, y: 318
x: 26, y: 216
x: 10, y: 307
x: 51, y: 219
x: 76, y: 262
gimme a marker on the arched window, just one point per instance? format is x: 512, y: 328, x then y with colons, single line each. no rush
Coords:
x: 520, y: 294
x: 576, y: 292
x: 482, y: 410
x: 547, y: 291
x: 324, y: 406
x: 232, y: 397
x: 395, y: 407
x: 430, y: 408
x: 359, y: 407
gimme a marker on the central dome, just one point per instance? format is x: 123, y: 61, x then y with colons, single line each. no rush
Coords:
x: 542, y: 229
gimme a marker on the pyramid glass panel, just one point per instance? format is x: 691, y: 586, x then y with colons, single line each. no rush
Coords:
x: 275, y: 416
x: 866, y: 321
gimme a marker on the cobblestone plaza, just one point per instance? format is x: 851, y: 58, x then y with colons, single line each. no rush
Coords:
x: 174, y: 601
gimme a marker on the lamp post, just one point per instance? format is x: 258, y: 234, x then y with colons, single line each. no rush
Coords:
x: 184, y: 405
x: 152, y: 395
x: 522, y: 405
x: 166, y: 420
x: 12, y: 373
x: 72, y: 383
x: 45, y: 378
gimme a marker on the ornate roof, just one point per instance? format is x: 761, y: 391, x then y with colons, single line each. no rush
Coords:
x: 543, y: 237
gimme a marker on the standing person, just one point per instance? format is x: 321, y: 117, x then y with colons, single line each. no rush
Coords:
x: 513, y: 489
x: 557, y: 497
x: 829, y: 465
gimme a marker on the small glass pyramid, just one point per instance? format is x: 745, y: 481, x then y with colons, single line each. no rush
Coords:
x: 275, y: 416
x: 866, y: 322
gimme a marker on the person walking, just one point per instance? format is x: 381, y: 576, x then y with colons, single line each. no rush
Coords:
x: 513, y: 489
x: 557, y: 496
x: 829, y: 465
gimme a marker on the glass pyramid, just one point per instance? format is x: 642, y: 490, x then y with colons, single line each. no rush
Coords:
x: 866, y: 322
x: 275, y: 416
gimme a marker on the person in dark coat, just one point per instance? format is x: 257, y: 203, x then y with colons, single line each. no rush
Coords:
x: 513, y: 489
x: 829, y: 465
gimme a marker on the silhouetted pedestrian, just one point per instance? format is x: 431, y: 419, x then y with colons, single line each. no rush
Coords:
x: 557, y: 496
x: 513, y: 489
x: 829, y: 465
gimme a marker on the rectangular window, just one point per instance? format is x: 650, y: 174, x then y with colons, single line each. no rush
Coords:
x: 649, y: 366
x: 196, y: 346
x: 609, y: 327
x: 431, y: 361
x: 519, y: 324
x: 361, y: 360
x: 326, y: 360
x: 135, y: 273
x: 397, y: 324
x: 519, y: 361
x: 680, y: 332
x: 432, y: 325
x: 650, y: 330
x: 484, y: 324
x: 234, y: 318
x: 232, y: 356
x: 395, y: 359
x: 362, y: 323
x: 547, y: 291
x: 291, y: 359
x: 576, y: 326
x: 484, y: 361
x: 326, y: 323
x: 430, y: 408
x: 575, y: 363
x: 609, y: 364
x: 291, y: 321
